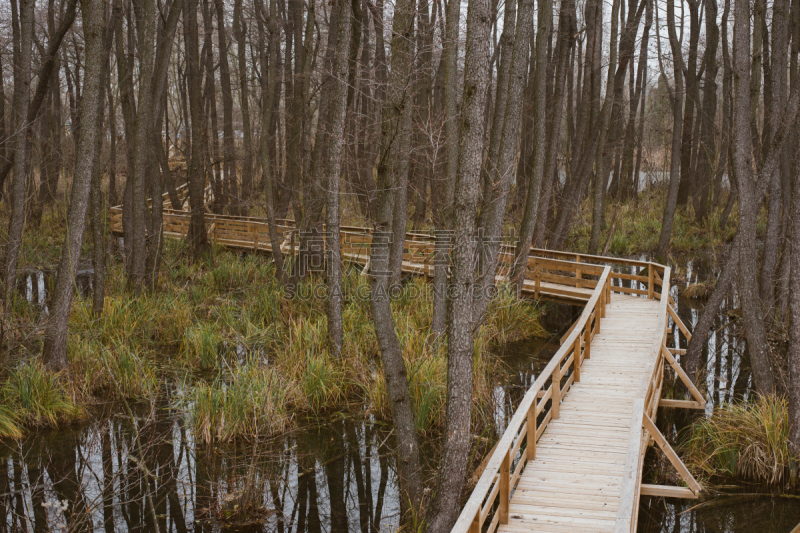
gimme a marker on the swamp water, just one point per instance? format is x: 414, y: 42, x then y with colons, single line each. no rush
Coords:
x: 148, y: 474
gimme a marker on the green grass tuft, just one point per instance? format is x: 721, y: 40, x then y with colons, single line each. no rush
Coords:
x: 254, y: 401
x: 35, y: 395
x: 748, y: 441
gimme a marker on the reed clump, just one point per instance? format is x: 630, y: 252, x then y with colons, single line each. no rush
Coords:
x: 745, y: 440
x: 250, y: 355
x: 252, y: 401
x: 637, y: 226
x: 33, y: 396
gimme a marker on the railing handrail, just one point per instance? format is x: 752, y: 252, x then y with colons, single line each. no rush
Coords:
x: 629, y: 502
x: 487, y: 479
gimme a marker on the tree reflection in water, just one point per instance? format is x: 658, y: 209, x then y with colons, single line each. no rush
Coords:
x: 333, y: 477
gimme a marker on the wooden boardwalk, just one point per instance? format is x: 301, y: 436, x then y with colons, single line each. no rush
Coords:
x: 571, y: 456
x: 575, y: 481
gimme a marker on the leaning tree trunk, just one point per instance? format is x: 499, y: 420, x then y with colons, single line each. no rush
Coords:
x: 458, y: 418
x: 55, y: 337
x: 390, y: 176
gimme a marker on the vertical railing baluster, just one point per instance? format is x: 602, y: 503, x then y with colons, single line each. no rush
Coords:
x: 650, y: 279
x: 505, y: 488
x: 587, y: 341
x: 576, y: 359
x: 531, y: 451
x: 556, y: 386
x: 475, y: 527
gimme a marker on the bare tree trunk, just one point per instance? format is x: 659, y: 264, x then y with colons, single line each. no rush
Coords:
x: 794, y: 330
x: 442, y: 213
x: 22, y: 85
x: 453, y: 466
x: 270, y: 68
x: 752, y: 310
x: 391, y: 173
x: 197, y: 237
x: 691, y: 101
x: 779, y: 208
x: 240, y: 33
x: 676, y: 99
x: 44, y: 76
x: 142, y: 144
x: 721, y: 288
x: 333, y: 170
x: 508, y: 123
x: 55, y: 337
x: 228, y: 148
x: 540, y: 137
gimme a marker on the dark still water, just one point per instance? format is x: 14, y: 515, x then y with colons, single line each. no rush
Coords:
x: 114, y: 475
x: 148, y: 474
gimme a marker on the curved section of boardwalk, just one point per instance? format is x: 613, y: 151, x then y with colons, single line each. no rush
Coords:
x: 571, y: 456
x: 575, y: 481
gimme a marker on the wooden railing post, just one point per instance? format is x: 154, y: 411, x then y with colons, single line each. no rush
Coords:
x: 578, y: 274
x: 475, y: 527
x: 650, y: 279
x: 587, y: 341
x: 531, y: 450
x: 576, y: 357
x: 505, y: 488
x: 537, y: 275
x: 556, y: 396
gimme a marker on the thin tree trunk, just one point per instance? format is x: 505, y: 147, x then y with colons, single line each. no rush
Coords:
x: 267, y: 165
x: 390, y: 177
x: 496, y: 195
x: 540, y: 137
x: 142, y: 145
x: 22, y: 84
x: 198, y: 238
x: 460, y: 340
x: 794, y: 330
x: 240, y: 33
x: 333, y: 170
x: 441, y: 215
x: 749, y: 202
x: 676, y: 100
x: 228, y: 148
x: 55, y: 338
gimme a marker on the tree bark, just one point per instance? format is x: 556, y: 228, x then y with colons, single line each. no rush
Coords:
x: 501, y: 169
x: 198, y: 238
x: 676, y: 100
x: 333, y: 170
x: 55, y: 338
x: 22, y: 84
x: 453, y: 466
x: 748, y: 203
x: 228, y: 147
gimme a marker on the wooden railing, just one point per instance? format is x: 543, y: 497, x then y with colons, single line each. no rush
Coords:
x: 569, y: 280
x: 539, y: 406
x: 588, y: 278
x: 643, y: 430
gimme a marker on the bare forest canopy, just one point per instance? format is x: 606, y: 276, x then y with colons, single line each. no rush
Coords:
x: 474, y: 119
